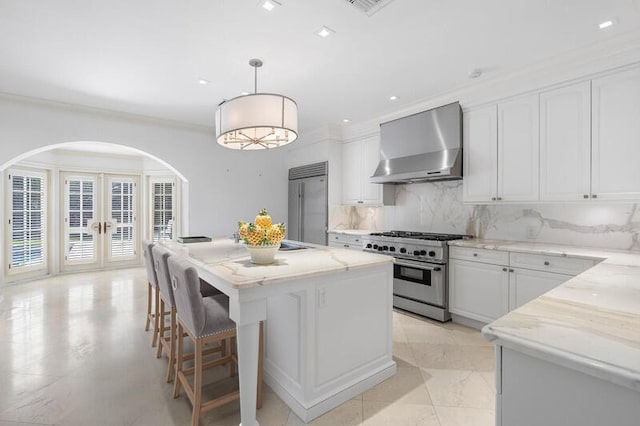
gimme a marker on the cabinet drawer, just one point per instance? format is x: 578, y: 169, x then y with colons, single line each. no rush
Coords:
x: 354, y: 240
x: 558, y: 264
x: 337, y: 238
x: 495, y: 257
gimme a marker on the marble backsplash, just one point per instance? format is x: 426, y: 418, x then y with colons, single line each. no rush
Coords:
x: 438, y: 207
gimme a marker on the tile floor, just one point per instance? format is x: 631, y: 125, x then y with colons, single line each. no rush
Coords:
x: 73, y: 352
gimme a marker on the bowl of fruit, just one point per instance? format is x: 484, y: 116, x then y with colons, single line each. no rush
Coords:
x: 262, y: 237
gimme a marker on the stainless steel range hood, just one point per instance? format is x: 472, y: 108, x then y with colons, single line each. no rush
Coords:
x: 426, y: 146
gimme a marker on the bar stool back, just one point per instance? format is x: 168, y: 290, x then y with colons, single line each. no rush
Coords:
x: 153, y: 296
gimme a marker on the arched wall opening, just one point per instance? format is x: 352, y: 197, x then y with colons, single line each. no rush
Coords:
x: 103, y: 158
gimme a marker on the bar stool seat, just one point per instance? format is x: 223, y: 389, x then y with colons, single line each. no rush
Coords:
x: 204, y: 320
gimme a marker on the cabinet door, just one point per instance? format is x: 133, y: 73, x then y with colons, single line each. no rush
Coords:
x: 371, y: 192
x: 616, y: 136
x: 351, y: 172
x: 525, y: 285
x: 480, y: 152
x: 477, y: 290
x: 518, y: 149
x: 565, y: 143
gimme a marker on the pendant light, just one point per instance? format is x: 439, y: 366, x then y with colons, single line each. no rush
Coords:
x: 257, y: 120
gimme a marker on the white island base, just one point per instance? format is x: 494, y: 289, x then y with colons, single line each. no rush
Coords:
x: 329, y: 339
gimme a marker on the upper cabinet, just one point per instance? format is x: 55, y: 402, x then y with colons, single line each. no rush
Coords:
x: 480, y: 161
x: 565, y: 143
x: 359, y: 161
x: 518, y: 148
x: 616, y: 136
x: 501, y: 147
x: 577, y: 142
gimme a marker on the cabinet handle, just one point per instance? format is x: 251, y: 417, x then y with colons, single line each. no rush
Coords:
x: 585, y: 196
x: 499, y: 198
x: 360, y: 202
x: 475, y: 254
x: 546, y: 263
x: 493, y: 198
x: 346, y: 245
x: 594, y: 196
x: 504, y: 269
x: 510, y: 270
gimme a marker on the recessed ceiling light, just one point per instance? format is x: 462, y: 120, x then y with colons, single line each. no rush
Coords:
x: 203, y: 81
x: 269, y: 5
x: 325, y: 32
x: 244, y: 93
x: 346, y: 120
x: 393, y: 98
x: 605, y: 24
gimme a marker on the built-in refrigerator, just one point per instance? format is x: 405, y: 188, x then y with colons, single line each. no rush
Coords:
x: 307, y: 219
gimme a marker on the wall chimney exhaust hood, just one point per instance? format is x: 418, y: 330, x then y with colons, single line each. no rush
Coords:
x: 426, y: 146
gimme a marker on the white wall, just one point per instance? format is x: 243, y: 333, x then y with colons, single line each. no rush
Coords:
x: 224, y: 186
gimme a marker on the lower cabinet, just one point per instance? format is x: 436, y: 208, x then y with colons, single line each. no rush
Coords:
x: 353, y: 242
x: 486, y: 284
x: 478, y: 290
x: 525, y: 285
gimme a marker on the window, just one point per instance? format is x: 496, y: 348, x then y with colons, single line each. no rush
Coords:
x: 162, y: 209
x: 27, y: 220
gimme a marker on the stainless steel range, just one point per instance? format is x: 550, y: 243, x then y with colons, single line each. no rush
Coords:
x: 420, y: 283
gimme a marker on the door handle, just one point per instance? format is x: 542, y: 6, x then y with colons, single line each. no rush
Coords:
x: 99, y: 228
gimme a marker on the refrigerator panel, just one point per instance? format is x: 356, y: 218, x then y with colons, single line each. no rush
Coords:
x: 314, y: 210
x: 293, y: 219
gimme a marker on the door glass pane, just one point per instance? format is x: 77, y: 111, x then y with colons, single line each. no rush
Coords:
x: 80, y: 241
x: 27, y: 220
x: 122, y: 217
x: 162, y: 215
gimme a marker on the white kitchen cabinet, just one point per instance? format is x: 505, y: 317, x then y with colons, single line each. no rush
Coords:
x: 501, y: 151
x: 518, y: 149
x: 485, y: 284
x: 525, y: 285
x: 565, y: 143
x: 478, y: 290
x: 480, y: 154
x: 616, y: 136
x: 359, y: 161
x: 350, y: 241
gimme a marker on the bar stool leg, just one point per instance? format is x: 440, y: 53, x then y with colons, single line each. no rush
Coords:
x: 172, y: 344
x: 156, y: 331
x: 161, y: 329
x: 149, y: 305
x: 180, y: 337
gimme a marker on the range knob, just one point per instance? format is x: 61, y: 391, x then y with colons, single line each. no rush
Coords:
x: 423, y: 253
x: 368, y: 245
x: 416, y: 253
x: 375, y: 247
x: 403, y: 250
x: 392, y: 248
x: 385, y: 248
x: 432, y: 253
x: 379, y: 248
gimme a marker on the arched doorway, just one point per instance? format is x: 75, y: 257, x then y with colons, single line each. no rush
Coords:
x: 86, y: 205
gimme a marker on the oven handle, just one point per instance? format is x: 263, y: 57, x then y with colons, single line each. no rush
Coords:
x: 418, y: 265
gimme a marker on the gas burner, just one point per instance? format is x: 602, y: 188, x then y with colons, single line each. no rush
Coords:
x: 420, y: 235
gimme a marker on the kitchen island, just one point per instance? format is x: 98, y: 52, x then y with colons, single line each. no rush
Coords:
x: 571, y: 356
x: 328, y: 321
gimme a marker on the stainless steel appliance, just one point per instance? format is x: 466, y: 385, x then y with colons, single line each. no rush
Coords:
x: 426, y: 146
x: 420, y: 282
x: 307, y: 219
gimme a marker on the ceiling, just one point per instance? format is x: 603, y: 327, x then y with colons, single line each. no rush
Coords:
x: 147, y: 56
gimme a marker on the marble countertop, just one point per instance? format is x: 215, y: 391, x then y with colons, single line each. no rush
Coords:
x: 351, y: 231
x: 231, y: 261
x: 591, y: 323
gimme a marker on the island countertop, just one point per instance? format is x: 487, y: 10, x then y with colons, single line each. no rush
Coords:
x: 231, y: 261
x: 590, y: 323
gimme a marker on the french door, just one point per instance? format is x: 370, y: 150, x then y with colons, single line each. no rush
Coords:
x: 100, y: 223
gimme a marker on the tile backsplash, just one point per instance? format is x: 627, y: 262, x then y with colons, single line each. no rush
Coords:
x: 438, y: 207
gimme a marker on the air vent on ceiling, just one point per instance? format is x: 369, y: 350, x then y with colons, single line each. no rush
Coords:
x: 310, y: 170
x: 369, y: 7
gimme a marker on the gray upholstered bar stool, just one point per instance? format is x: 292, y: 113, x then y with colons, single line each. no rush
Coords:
x: 205, y: 320
x: 166, y: 342
x: 153, y: 296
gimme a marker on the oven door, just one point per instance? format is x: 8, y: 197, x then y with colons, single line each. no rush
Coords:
x: 420, y: 281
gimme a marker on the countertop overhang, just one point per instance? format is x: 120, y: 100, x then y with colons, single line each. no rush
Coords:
x: 590, y: 323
